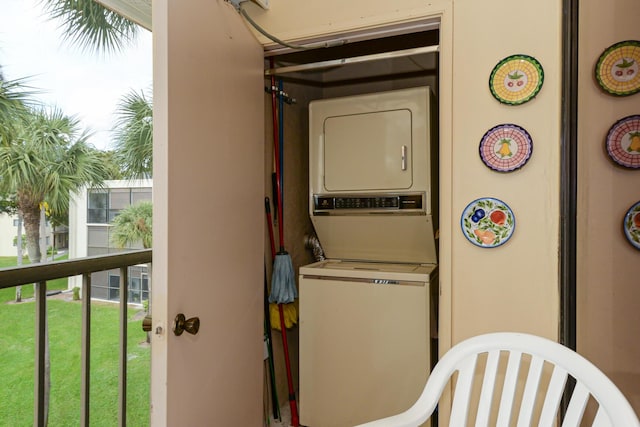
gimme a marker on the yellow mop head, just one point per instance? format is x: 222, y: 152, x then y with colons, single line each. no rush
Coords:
x: 290, y: 316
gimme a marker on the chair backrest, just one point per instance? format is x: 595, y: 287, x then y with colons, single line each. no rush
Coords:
x: 613, y: 408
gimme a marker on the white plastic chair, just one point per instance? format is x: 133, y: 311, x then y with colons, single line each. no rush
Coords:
x: 613, y: 411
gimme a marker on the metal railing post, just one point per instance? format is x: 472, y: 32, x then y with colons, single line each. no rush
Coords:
x: 122, y: 386
x: 40, y: 407
x: 85, y: 356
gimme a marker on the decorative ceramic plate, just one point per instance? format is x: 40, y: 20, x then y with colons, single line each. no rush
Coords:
x: 632, y: 225
x: 623, y: 142
x: 516, y: 79
x: 617, y: 69
x: 487, y: 222
x: 506, y: 147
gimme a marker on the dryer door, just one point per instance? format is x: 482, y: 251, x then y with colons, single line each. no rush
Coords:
x: 370, y: 151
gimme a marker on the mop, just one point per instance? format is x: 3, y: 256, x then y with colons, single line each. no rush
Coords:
x: 283, y: 286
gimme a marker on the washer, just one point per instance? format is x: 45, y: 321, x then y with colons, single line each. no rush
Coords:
x: 365, y: 341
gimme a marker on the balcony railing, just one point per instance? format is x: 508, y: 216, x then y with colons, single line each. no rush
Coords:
x: 40, y: 274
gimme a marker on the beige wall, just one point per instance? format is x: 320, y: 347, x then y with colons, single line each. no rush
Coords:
x: 515, y: 286
x: 608, y: 266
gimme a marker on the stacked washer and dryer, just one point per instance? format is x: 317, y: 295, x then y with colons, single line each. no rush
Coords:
x: 368, y: 312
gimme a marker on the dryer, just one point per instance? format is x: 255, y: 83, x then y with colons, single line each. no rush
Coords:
x: 367, y: 313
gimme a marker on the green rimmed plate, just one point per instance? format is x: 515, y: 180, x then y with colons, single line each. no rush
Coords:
x: 631, y: 225
x: 617, y: 70
x: 516, y: 79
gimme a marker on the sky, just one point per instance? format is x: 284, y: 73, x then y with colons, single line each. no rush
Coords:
x: 81, y: 83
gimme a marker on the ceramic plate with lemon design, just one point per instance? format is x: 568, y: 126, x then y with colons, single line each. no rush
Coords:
x: 487, y: 222
x: 516, y: 79
x: 506, y: 147
x: 623, y: 142
x: 617, y: 70
x: 632, y: 225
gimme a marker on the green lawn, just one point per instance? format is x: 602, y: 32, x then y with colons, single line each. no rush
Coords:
x: 64, y: 319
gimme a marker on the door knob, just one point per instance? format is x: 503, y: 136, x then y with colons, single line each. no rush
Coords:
x: 181, y: 324
x: 146, y: 323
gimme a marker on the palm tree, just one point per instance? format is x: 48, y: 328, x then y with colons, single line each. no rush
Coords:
x: 132, y: 225
x: 90, y: 25
x: 47, y: 161
x: 14, y: 102
x: 134, y: 135
x: 109, y: 158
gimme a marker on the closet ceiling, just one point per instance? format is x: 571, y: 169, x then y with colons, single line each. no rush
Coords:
x: 139, y: 11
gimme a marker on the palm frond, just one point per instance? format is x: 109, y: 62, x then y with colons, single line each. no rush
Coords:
x: 15, y: 99
x: 77, y: 166
x: 133, y: 225
x: 91, y: 26
x: 134, y: 135
x: 49, y: 159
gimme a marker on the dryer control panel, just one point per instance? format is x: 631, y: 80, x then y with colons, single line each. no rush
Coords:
x: 328, y: 204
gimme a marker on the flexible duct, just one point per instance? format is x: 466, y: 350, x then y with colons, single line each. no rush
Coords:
x: 312, y: 242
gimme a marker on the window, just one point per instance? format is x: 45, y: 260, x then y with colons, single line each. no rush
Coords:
x: 114, y: 287
x: 119, y: 199
x: 106, y: 285
x: 97, y: 209
x: 104, y: 205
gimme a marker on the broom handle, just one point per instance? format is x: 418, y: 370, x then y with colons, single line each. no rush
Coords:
x: 292, y: 393
x: 267, y: 208
x: 275, y: 405
x: 276, y: 155
x: 281, y: 147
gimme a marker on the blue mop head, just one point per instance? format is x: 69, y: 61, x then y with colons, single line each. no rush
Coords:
x: 283, y: 280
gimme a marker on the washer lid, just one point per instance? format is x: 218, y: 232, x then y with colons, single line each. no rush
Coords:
x: 370, y: 270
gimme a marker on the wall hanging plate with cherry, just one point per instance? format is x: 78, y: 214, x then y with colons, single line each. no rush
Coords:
x: 617, y: 70
x: 487, y: 222
x: 516, y: 79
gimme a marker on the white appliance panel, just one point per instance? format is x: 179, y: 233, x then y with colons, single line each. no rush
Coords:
x: 401, y: 238
x: 373, y: 176
x: 368, y: 151
x: 364, y: 134
x: 365, y: 334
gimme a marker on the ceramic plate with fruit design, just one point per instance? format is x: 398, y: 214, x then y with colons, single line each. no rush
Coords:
x: 632, y: 225
x: 623, y: 142
x: 505, y: 148
x: 516, y: 79
x: 487, y: 222
x: 617, y: 70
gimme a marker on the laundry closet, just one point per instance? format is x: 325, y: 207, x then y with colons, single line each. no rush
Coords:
x: 360, y: 172
x: 213, y: 137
